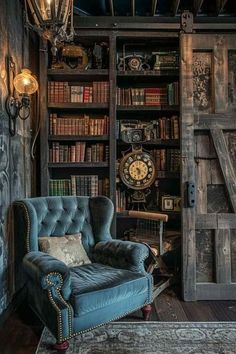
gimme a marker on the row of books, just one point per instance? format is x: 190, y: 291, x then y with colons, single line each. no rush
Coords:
x: 148, y: 96
x: 121, y: 200
x: 166, y: 159
x: 173, y: 93
x: 167, y: 128
x: 80, y: 152
x: 64, y: 92
x: 98, y: 92
x: 78, y: 124
x: 81, y: 185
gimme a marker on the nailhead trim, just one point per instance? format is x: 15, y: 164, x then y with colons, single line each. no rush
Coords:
x: 102, y: 324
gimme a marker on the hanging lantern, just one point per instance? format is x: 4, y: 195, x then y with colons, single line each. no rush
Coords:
x: 52, y: 20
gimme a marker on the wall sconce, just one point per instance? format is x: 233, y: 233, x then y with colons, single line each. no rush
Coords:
x: 50, y: 19
x: 19, y: 106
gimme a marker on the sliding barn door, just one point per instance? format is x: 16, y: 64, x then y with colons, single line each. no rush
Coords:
x: 208, y: 111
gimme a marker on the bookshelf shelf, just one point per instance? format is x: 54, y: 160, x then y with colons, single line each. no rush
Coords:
x: 143, y: 108
x: 77, y: 164
x: 74, y: 75
x: 78, y: 138
x: 149, y: 73
x: 159, y: 142
x: 75, y: 105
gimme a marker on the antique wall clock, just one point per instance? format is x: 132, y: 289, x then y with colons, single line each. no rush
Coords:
x: 137, y: 172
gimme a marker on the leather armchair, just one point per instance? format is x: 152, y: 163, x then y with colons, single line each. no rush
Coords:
x: 72, y: 300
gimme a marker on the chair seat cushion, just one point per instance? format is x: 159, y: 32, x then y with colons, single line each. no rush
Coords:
x: 95, y: 286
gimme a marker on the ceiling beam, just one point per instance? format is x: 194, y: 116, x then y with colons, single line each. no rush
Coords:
x: 175, y: 6
x: 220, y: 4
x: 111, y: 4
x: 154, y: 7
x: 197, y: 6
x: 133, y: 7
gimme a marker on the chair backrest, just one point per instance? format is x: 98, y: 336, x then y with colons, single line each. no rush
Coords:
x: 59, y: 216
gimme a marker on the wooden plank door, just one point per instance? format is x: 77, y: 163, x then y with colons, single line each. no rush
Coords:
x: 208, y: 144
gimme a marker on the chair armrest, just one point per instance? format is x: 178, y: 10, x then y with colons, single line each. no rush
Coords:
x: 48, y: 272
x: 121, y: 254
x: 146, y: 215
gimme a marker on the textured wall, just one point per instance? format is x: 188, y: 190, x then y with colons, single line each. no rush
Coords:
x: 15, y: 168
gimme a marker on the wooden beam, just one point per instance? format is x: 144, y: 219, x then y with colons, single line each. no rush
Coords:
x: 197, y: 6
x: 175, y: 6
x: 220, y: 4
x: 211, y: 121
x: 111, y: 4
x: 225, y: 164
x: 154, y: 7
x: 188, y: 170
x: 133, y: 7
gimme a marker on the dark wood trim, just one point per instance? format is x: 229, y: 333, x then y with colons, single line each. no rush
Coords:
x: 158, y: 23
x: 149, y: 73
x: 78, y: 137
x: 78, y: 164
x: 148, y: 108
x: 112, y: 128
x: 160, y: 142
x: 75, y: 105
x: 44, y: 150
x: 76, y: 75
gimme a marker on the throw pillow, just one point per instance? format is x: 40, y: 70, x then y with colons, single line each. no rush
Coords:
x: 68, y: 249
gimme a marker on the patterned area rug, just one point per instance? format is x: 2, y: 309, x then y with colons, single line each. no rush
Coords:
x: 151, y: 338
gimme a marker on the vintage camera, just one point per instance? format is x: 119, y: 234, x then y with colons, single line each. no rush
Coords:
x: 170, y: 203
x: 131, y: 133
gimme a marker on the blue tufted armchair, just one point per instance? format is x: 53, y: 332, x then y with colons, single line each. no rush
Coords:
x: 72, y: 300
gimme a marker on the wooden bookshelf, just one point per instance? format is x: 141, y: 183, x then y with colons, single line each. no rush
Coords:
x: 114, y: 78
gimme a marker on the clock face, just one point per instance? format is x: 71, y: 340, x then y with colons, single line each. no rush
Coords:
x: 137, y: 170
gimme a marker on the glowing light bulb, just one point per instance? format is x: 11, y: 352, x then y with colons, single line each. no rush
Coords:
x: 25, y: 83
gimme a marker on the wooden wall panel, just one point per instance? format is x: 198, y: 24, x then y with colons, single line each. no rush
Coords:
x: 217, y: 199
x: 15, y: 168
x: 202, y: 81
x: 205, y: 256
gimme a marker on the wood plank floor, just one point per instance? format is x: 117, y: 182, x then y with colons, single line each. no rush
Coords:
x: 21, y: 332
